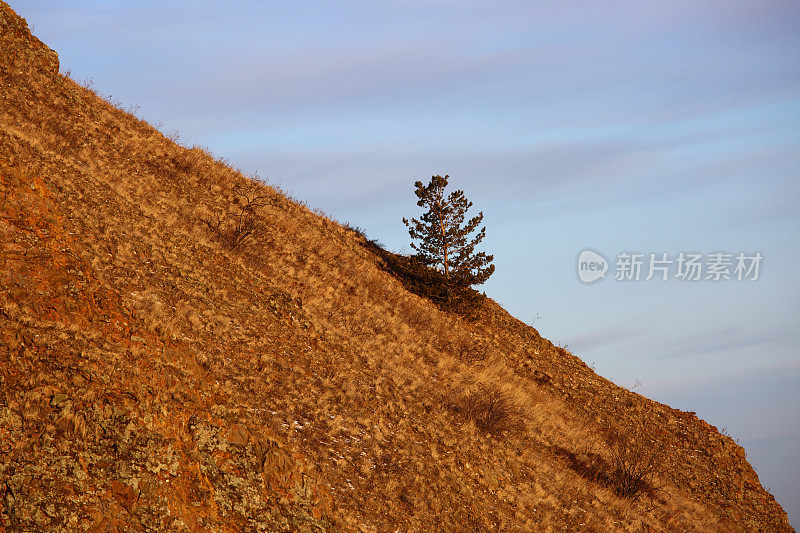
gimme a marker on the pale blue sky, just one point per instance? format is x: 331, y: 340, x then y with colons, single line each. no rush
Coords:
x: 617, y: 126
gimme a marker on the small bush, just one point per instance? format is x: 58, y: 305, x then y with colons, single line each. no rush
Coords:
x: 489, y: 409
x: 628, y: 463
x: 634, y: 464
x: 242, y: 222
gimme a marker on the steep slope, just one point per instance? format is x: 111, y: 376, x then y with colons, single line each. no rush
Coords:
x: 155, y: 376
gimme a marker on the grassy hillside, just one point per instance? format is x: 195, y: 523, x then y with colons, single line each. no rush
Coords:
x: 159, y: 373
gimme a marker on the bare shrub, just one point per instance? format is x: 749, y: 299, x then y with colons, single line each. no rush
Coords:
x: 489, y: 409
x: 634, y: 465
x: 241, y: 222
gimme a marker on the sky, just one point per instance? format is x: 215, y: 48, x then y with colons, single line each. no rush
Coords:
x: 638, y: 127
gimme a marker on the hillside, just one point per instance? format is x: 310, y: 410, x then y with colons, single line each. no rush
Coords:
x: 158, y: 375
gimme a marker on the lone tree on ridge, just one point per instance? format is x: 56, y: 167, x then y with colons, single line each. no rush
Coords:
x: 445, y: 241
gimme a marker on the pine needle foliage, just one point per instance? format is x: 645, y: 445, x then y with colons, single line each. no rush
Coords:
x: 446, y: 240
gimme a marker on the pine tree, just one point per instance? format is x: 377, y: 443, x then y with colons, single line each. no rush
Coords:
x: 445, y: 241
